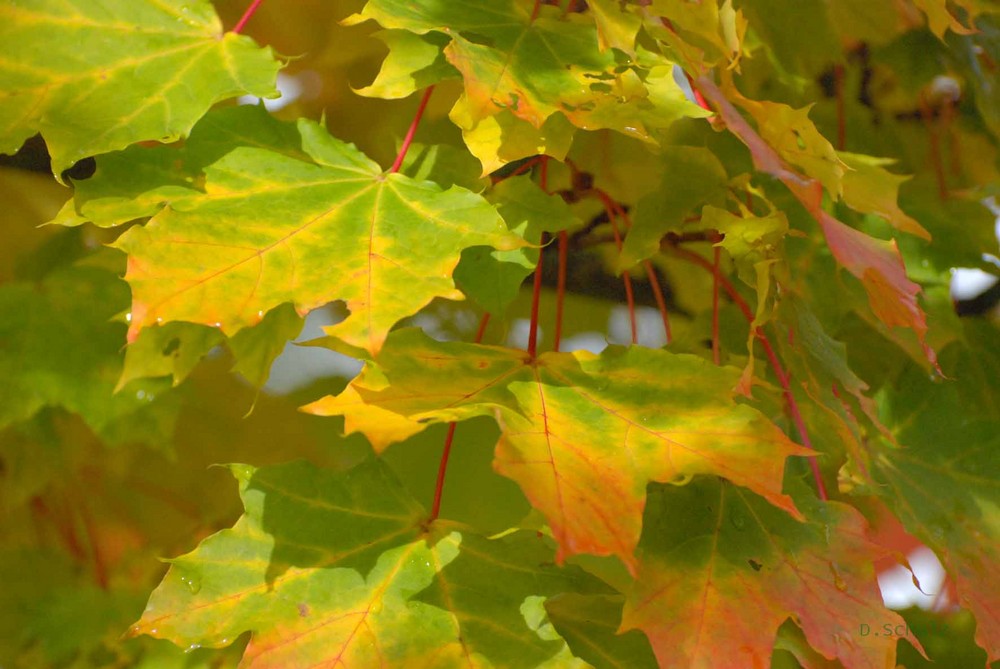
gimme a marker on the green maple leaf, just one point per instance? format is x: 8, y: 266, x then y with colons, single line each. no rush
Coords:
x: 942, y: 480
x: 269, y: 227
x: 868, y: 187
x: 140, y: 180
x: 582, y: 434
x: 616, y: 28
x: 414, y: 62
x: 79, y: 302
x: 112, y: 74
x: 720, y: 571
x: 335, y: 567
x: 538, y: 67
x: 689, y: 177
x: 792, y: 134
x: 493, y: 278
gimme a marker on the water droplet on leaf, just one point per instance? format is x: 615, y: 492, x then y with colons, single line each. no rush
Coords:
x: 193, y: 583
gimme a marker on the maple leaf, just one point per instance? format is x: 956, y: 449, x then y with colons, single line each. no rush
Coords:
x: 868, y: 187
x: 720, y: 571
x: 334, y: 567
x: 414, y: 62
x: 689, y: 177
x: 616, y: 28
x: 877, y: 263
x: 942, y: 482
x: 493, y: 278
x: 112, y: 74
x: 579, y: 432
x: 536, y: 67
x: 712, y: 33
x: 503, y: 138
x: 140, y: 180
x: 78, y: 301
x: 193, y: 261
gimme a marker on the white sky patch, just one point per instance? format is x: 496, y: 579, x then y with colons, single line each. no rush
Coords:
x: 898, y: 590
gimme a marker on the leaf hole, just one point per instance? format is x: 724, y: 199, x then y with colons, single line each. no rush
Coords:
x: 172, y: 346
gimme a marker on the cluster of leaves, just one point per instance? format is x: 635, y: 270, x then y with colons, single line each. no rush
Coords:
x: 724, y: 500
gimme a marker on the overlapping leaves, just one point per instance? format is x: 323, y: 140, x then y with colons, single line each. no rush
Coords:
x: 947, y: 495
x: 581, y: 434
x: 721, y: 571
x: 336, y: 568
x: 533, y: 66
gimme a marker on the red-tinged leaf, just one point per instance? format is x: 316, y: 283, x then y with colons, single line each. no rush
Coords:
x: 335, y: 569
x: 943, y: 481
x: 584, y: 434
x: 721, y: 571
x: 879, y: 266
x: 538, y: 66
x: 265, y: 228
x: 793, y: 136
x: 877, y: 263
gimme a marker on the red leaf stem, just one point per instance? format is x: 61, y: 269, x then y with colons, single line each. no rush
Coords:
x: 716, y: 352
x: 660, y: 302
x: 612, y: 209
x: 536, y: 291
x: 442, y: 469
x: 534, y: 10
x: 561, y: 287
x: 935, y: 145
x: 412, y: 131
x: 96, y: 554
x: 521, y: 169
x: 449, y: 438
x: 772, y: 357
x: 64, y: 528
x: 246, y: 16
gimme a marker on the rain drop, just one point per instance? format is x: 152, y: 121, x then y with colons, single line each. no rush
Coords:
x: 128, y: 317
x: 193, y: 647
x: 141, y: 395
x: 193, y: 584
x: 738, y: 520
